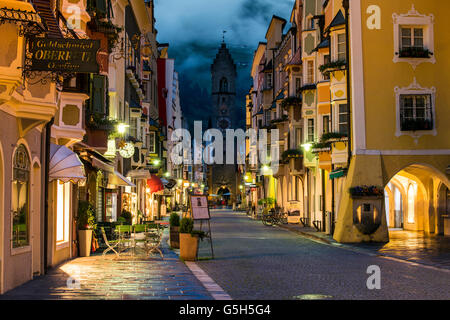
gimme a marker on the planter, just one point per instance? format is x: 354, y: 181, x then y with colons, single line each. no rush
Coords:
x: 175, y: 237
x: 85, y: 241
x: 188, y: 247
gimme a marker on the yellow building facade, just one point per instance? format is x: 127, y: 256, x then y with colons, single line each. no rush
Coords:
x: 399, y: 120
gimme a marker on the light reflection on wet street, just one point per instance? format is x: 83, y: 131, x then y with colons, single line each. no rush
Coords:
x: 415, y: 246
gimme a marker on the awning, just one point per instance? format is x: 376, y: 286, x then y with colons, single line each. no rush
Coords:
x: 114, y: 177
x: 117, y: 179
x: 169, y: 184
x: 102, y: 165
x: 139, y: 174
x: 65, y: 165
x: 155, y: 184
x: 337, y: 173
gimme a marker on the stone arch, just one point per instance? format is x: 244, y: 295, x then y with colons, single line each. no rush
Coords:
x: 416, y: 184
x: 443, y: 207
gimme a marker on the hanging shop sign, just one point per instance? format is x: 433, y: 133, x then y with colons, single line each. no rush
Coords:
x: 63, y: 55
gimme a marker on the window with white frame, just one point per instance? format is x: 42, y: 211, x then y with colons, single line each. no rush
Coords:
x: 343, y: 118
x: 310, y: 130
x: 341, y: 50
x: 310, y: 71
x: 62, y: 212
x: 326, y: 60
x: 325, y: 124
x: 267, y: 117
x: 133, y: 127
x: 415, y: 112
x: 152, y: 142
x: 413, y: 37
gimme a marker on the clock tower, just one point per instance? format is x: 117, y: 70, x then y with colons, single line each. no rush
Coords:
x: 223, y: 178
x: 223, y: 80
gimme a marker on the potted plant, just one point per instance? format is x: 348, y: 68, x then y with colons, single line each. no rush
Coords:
x: 127, y: 217
x: 189, y: 240
x: 174, y: 221
x: 86, y: 224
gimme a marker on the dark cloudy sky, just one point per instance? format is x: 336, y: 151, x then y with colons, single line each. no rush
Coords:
x: 193, y: 28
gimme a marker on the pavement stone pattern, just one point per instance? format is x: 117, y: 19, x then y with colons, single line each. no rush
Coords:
x: 426, y: 249
x: 253, y: 261
x: 124, y: 278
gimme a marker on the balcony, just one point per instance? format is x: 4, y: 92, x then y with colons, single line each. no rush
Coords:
x: 329, y: 67
x: 98, y: 127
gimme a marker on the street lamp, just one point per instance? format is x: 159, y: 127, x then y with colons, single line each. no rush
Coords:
x: 307, y: 146
x: 122, y: 127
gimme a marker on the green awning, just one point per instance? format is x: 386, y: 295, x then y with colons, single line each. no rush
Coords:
x: 338, y: 173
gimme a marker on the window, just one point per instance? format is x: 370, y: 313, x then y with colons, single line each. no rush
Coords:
x: 341, y: 51
x: 411, y: 37
x: 62, y: 212
x: 415, y: 112
x: 267, y: 117
x: 326, y: 124
x: 20, y: 194
x: 224, y: 85
x: 298, y: 84
x: 268, y: 81
x: 326, y: 60
x: 343, y: 119
x: 133, y: 127
x: 310, y: 71
x: 310, y: 130
x: 151, y: 143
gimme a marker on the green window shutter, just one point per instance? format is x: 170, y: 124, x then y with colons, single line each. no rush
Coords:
x: 98, y: 94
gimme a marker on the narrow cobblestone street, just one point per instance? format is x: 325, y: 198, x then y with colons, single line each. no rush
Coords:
x: 253, y: 261
x: 118, y: 279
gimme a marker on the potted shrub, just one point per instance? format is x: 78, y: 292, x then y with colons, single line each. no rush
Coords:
x: 189, y: 240
x: 86, y: 224
x: 174, y: 221
x: 127, y: 217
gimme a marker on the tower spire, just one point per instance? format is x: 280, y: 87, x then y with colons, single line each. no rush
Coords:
x: 223, y: 35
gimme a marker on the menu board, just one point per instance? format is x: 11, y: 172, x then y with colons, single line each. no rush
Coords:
x: 199, y: 207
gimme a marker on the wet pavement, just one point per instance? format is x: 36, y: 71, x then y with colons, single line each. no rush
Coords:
x: 414, y: 246
x: 253, y: 261
x: 433, y: 250
x: 119, y: 279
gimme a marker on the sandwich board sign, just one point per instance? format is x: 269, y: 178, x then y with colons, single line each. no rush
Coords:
x: 199, y: 207
x: 200, y: 212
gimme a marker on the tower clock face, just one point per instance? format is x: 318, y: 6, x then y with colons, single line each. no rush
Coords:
x: 127, y: 151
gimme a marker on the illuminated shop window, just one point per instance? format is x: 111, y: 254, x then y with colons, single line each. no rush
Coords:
x: 20, y: 194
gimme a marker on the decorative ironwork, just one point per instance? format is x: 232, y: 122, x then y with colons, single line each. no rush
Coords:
x: 124, y: 46
x: 29, y: 23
